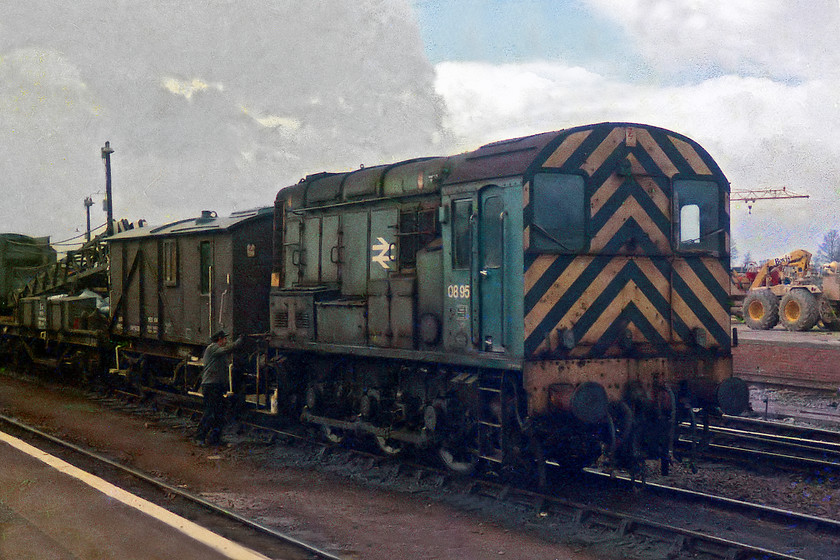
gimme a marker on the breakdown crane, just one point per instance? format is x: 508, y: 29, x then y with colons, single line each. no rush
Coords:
x: 750, y: 196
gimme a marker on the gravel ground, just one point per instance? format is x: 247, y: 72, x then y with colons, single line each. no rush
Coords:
x: 354, y: 513
x: 817, y: 409
x: 359, y: 508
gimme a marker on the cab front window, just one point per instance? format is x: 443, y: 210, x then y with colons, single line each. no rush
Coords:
x: 697, y: 216
x: 559, y: 213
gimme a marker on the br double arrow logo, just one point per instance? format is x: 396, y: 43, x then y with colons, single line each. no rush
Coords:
x: 381, y: 252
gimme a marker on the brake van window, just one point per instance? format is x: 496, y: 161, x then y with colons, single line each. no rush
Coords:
x: 696, y: 209
x: 170, y: 263
x: 559, y: 213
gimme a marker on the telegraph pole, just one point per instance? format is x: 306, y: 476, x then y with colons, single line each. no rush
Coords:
x: 109, y: 207
x: 88, y: 204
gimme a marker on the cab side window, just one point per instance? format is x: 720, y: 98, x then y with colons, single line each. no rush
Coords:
x: 417, y: 229
x: 461, y: 233
x: 492, y: 229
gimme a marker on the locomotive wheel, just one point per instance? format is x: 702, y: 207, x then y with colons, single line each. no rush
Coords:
x: 526, y: 463
x: 457, y: 460
x: 455, y: 450
x: 333, y: 435
x: 799, y: 310
x: 20, y: 357
x: 390, y: 447
x: 761, y: 310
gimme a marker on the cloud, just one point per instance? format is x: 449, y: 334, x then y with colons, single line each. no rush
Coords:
x: 764, y: 133
x: 781, y: 39
x: 274, y: 121
x: 42, y: 96
x: 167, y: 82
x: 186, y: 88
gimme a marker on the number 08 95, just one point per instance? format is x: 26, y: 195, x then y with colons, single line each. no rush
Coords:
x: 458, y: 291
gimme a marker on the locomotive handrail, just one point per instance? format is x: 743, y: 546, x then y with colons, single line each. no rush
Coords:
x: 475, y: 326
x: 503, y: 215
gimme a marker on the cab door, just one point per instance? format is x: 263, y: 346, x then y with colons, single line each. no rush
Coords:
x: 489, y: 274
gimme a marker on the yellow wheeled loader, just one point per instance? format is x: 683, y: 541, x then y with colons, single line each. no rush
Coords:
x: 787, y: 290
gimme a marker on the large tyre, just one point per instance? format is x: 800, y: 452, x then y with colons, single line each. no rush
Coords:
x: 828, y: 315
x: 761, y: 310
x: 799, y: 310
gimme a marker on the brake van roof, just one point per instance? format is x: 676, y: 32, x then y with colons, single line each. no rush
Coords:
x: 207, y: 222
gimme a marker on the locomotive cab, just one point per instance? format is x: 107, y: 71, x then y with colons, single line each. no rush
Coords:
x: 626, y: 285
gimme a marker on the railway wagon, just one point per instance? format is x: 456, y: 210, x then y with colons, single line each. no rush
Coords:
x: 20, y: 256
x: 172, y: 286
x: 560, y: 296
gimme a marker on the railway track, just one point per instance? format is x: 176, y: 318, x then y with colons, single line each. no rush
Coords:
x: 268, y: 541
x: 782, y: 446
x: 581, y: 506
x: 611, y: 505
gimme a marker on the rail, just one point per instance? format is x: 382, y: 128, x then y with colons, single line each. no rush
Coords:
x: 171, y: 491
x: 782, y: 446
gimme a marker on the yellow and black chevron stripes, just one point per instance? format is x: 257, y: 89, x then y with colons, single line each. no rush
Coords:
x: 601, y: 300
x: 570, y: 145
x: 613, y: 183
x: 633, y: 221
x: 629, y: 171
x: 701, y: 298
x: 604, y: 151
x: 691, y: 156
x: 628, y: 286
x: 588, y: 150
x: 596, y: 299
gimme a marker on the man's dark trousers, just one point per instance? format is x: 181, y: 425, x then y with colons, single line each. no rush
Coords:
x: 213, y: 420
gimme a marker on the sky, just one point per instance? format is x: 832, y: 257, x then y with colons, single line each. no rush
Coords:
x: 218, y: 104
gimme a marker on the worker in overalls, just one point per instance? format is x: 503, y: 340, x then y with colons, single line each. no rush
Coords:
x: 214, y: 383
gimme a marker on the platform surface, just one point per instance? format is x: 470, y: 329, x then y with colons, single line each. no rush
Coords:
x: 52, y: 510
x: 797, y: 359
x: 779, y: 335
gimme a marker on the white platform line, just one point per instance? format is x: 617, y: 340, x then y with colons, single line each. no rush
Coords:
x: 220, y: 544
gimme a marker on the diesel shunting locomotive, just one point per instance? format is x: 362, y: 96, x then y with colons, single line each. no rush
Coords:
x: 548, y: 297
